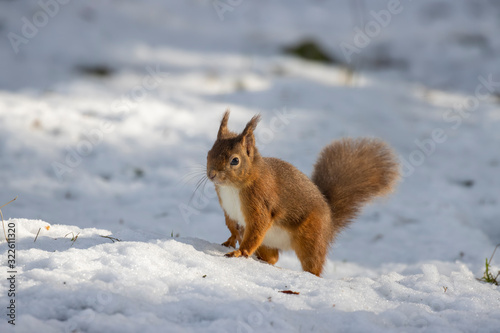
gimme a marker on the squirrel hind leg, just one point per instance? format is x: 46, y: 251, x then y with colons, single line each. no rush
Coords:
x: 311, y: 261
x: 311, y: 247
x: 267, y: 254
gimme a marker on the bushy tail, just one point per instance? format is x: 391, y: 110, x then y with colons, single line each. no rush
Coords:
x: 351, y: 172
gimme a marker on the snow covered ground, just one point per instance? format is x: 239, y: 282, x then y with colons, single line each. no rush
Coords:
x: 107, y: 110
x: 185, y: 284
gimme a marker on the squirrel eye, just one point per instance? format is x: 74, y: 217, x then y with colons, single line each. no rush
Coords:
x: 235, y: 161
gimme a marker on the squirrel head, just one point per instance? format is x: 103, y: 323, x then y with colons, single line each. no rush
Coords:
x: 232, y: 156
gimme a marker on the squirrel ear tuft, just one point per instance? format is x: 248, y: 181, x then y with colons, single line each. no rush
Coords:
x: 223, y: 125
x: 250, y: 127
x: 247, y: 137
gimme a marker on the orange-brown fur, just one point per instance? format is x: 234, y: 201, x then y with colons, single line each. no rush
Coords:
x: 235, y: 232
x: 274, y: 194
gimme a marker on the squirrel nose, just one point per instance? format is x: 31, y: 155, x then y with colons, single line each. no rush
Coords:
x: 211, y: 174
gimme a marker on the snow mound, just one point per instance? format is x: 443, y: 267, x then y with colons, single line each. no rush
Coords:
x: 133, y: 282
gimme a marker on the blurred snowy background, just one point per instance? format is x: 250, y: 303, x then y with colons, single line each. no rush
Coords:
x: 108, y: 107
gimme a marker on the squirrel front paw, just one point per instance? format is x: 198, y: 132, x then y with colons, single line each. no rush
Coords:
x: 229, y: 243
x: 237, y: 253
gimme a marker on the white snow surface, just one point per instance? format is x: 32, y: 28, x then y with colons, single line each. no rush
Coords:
x: 186, y: 284
x: 120, y: 156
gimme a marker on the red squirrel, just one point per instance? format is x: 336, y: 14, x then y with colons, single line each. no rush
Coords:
x: 271, y: 206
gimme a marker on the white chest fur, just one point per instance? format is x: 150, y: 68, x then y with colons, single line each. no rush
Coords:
x: 231, y: 203
x: 276, y: 237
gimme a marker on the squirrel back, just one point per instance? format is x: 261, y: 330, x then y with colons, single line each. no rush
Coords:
x: 352, y: 172
x: 269, y: 205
